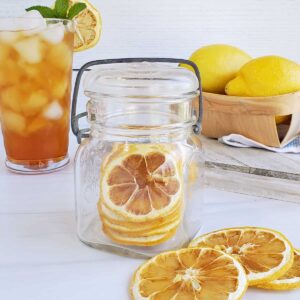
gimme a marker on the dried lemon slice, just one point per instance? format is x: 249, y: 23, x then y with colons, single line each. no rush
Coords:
x: 142, y: 232
x: 145, y: 241
x: 88, y: 27
x: 264, y: 253
x: 143, y: 182
x: 108, y: 214
x: 290, y: 280
x: 158, y: 226
x: 192, y: 273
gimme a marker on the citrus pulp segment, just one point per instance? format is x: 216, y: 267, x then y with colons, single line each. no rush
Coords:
x: 290, y: 280
x: 88, y: 27
x: 190, y: 274
x: 264, y: 253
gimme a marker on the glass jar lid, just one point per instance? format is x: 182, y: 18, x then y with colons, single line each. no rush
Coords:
x: 141, y: 80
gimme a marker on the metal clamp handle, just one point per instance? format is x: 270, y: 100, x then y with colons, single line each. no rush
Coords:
x: 83, y: 133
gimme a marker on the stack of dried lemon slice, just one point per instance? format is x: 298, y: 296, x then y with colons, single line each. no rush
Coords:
x: 141, y: 196
x: 220, y: 265
x: 264, y: 253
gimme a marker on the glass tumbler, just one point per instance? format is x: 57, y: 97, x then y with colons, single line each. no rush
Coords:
x: 35, y: 85
x: 139, y: 168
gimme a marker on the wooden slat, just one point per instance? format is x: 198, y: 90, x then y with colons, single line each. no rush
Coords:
x: 262, y: 186
x: 251, y: 161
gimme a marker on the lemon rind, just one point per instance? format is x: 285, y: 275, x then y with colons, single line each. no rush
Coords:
x: 283, y: 284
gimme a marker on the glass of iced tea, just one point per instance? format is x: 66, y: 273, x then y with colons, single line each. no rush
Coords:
x: 35, y: 85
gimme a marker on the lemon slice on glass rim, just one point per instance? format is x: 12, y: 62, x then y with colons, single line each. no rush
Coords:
x: 264, y: 253
x: 192, y: 273
x: 88, y: 27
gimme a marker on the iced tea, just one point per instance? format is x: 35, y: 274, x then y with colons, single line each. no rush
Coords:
x: 35, y: 87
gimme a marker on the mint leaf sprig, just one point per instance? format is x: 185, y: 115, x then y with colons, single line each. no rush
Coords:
x: 45, y: 11
x: 62, y: 9
x: 76, y: 9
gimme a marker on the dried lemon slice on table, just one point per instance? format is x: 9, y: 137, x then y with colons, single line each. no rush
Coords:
x: 264, y: 253
x: 88, y: 27
x: 290, y: 280
x: 141, y: 195
x: 193, y: 273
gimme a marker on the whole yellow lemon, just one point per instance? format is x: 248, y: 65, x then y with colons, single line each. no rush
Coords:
x: 218, y: 64
x: 265, y: 76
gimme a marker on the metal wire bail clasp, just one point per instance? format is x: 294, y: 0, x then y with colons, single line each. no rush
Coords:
x: 84, y: 133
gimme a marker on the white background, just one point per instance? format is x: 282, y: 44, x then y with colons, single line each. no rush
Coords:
x: 176, y: 28
x: 40, y: 255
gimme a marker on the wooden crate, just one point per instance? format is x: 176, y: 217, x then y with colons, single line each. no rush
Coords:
x: 253, y: 117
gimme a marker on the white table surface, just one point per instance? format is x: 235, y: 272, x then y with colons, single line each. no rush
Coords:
x: 42, y: 259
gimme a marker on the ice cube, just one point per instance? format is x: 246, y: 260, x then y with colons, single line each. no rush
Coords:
x: 9, y: 37
x: 54, y: 111
x: 30, y: 49
x: 59, y: 88
x: 37, y: 124
x: 11, y: 98
x: 35, y: 103
x: 32, y: 71
x: 10, y: 73
x: 4, y: 53
x: 60, y: 56
x: 54, y: 34
x: 13, y: 122
x: 71, y: 26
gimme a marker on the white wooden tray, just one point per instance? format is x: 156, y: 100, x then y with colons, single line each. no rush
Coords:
x: 252, y: 171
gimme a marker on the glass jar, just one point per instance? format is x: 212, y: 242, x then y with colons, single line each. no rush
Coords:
x: 139, y: 169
